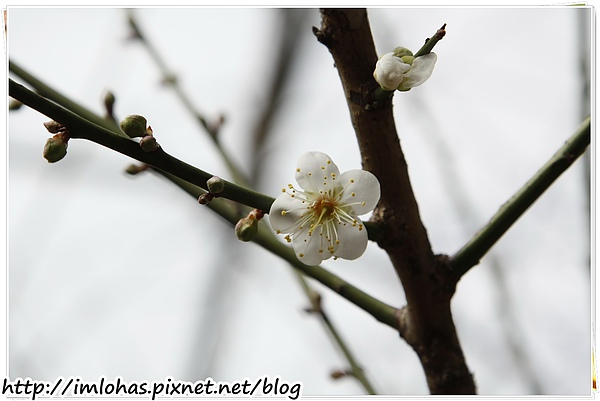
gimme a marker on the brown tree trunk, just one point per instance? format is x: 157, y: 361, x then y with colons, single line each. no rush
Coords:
x: 426, y: 321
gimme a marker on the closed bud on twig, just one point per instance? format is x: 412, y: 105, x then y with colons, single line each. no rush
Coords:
x: 149, y: 144
x: 55, y: 148
x: 109, y: 103
x: 134, y: 169
x: 205, y: 198
x: 338, y: 374
x: 54, y: 127
x: 134, y: 126
x: 215, y: 185
x: 247, y: 228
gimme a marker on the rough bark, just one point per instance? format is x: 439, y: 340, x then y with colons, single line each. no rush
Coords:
x: 426, y: 321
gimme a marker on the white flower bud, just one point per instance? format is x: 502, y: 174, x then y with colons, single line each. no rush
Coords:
x: 402, y: 71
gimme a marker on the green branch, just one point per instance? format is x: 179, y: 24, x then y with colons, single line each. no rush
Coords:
x: 431, y: 42
x: 190, y: 177
x: 240, y: 178
x: 472, y: 252
x: 57, y: 97
x: 171, y: 80
x: 355, y: 370
x: 81, y: 128
x: 382, y: 312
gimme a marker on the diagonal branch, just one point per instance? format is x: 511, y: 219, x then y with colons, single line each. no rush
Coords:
x: 81, y: 128
x: 384, y: 313
x: 192, y: 178
x: 470, y: 254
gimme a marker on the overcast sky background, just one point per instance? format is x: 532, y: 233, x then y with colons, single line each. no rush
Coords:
x: 117, y: 275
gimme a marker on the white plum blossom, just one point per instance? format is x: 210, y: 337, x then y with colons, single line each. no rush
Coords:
x: 321, y: 219
x: 403, y: 73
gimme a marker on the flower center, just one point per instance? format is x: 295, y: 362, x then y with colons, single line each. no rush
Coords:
x: 323, y: 208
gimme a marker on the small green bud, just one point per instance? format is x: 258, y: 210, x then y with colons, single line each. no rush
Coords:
x: 149, y: 144
x: 134, y: 169
x: 215, y: 185
x: 408, y: 59
x: 246, y: 228
x: 134, y: 126
x: 55, y: 148
x: 402, y: 51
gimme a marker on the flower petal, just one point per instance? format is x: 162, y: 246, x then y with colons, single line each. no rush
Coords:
x: 421, y: 70
x: 353, y: 241
x: 361, y: 190
x: 311, y: 249
x: 389, y: 71
x: 315, y: 172
x: 286, y: 212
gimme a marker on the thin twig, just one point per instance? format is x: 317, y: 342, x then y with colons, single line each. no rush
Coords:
x: 455, y: 189
x: 171, y: 80
x: 116, y: 140
x: 285, y: 57
x: 431, y: 42
x: 291, y: 21
x: 382, y: 312
x: 81, y: 128
x: 472, y: 252
x: 185, y: 173
x: 48, y: 92
x: 355, y: 370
